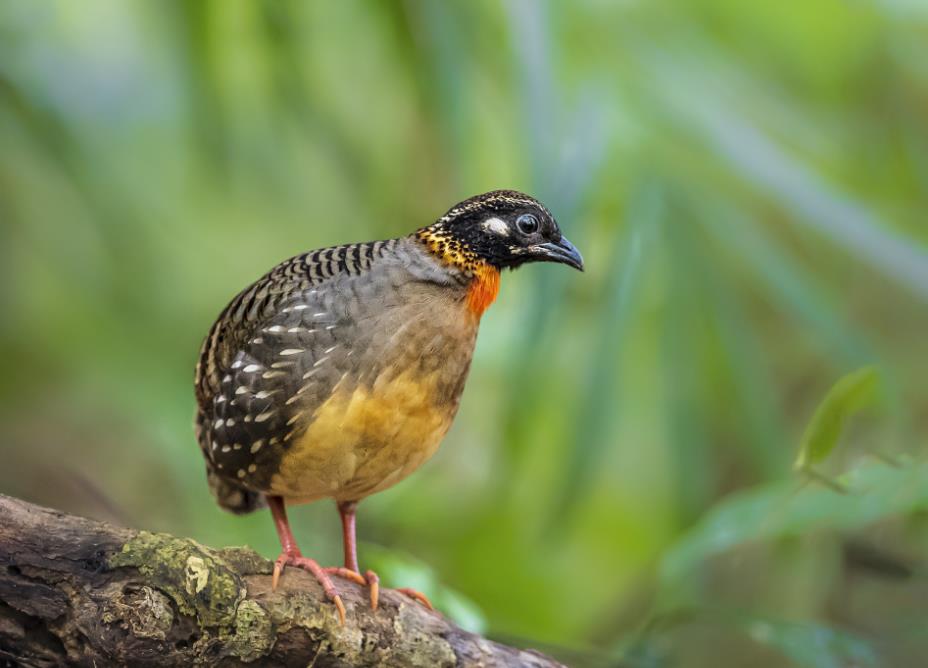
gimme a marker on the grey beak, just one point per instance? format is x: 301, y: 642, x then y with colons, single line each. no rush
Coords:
x: 561, y: 251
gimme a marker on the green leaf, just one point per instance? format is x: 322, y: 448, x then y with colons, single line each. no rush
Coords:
x: 848, y: 396
x: 776, y: 510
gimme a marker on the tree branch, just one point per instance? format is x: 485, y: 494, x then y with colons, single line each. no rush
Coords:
x: 78, y: 592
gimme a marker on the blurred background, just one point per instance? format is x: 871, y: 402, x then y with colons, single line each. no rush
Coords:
x: 748, y: 183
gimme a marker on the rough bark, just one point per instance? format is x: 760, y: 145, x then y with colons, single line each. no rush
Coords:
x: 79, y: 592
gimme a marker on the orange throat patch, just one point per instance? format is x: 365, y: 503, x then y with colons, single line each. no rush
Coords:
x: 483, y: 289
x: 484, y: 284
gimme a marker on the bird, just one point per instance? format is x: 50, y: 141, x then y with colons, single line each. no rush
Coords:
x: 338, y: 373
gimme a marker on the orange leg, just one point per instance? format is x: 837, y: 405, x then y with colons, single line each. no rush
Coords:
x: 291, y: 556
x: 346, y: 509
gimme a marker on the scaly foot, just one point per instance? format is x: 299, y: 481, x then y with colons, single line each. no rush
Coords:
x: 369, y: 579
x: 372, y: 580
x: 294, y: 558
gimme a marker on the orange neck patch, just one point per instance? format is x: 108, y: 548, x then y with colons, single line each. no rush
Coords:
x: 483, y: 289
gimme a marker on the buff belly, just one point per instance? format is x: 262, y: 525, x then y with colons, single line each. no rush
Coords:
x: 365, y: 438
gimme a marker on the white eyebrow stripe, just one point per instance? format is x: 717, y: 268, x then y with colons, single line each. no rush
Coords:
x: 497, y: 226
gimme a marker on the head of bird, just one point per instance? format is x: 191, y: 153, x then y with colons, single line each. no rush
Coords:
x: 502, y: 228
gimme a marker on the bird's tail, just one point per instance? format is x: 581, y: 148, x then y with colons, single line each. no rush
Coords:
x: 230, y: 496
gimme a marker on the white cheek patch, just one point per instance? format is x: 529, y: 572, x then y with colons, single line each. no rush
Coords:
x: 496, y: 226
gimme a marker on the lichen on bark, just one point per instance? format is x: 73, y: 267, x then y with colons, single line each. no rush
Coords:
x: 199, y: 582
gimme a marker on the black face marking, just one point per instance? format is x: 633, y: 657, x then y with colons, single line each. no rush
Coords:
x: 503, y: 228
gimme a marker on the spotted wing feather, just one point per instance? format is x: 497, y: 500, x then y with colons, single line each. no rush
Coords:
x: 254, y: 358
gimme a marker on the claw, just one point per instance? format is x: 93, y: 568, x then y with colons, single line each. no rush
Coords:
x: 341, y: 608
x: 275, y: 578
x: 374, y: 582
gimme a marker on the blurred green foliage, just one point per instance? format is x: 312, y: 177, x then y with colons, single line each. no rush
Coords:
x: 747, y: 181
x: 852, y: 393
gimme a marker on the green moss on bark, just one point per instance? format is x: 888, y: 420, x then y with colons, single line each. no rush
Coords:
x: 200, y: 583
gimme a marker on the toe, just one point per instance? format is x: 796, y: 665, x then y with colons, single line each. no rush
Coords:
x: 321, y: 575
x: 347, y: 574
x: 419, y: 596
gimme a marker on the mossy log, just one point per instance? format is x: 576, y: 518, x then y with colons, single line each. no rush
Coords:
x: 79, y: 592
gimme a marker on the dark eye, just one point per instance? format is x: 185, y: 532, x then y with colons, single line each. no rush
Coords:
x: 527, y: 223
